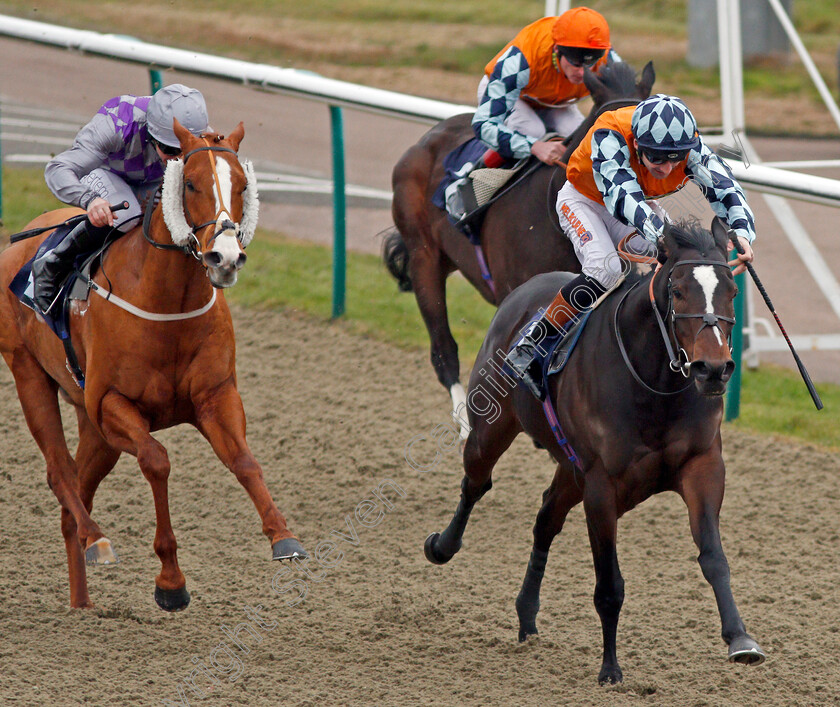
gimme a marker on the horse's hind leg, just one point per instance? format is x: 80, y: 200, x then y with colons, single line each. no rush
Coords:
x: 94, y: 461
x: 487, y: 441
x: 599, y: 502
x: 564, y: 494
x: 125, y: 429
x: 428, y: 277
x: 38, y: 398
x: 701, y: 487
x: 221, y: 419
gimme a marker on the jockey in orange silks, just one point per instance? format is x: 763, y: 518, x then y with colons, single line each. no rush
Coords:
x: 531, y: 86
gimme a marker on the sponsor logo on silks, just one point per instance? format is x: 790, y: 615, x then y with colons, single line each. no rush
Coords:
x: 584, y: 235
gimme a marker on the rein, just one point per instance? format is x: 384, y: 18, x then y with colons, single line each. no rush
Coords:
x: 675, y: 363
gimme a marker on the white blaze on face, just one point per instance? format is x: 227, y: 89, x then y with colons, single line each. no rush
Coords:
x: 226, y: 243
x: 708, y: 279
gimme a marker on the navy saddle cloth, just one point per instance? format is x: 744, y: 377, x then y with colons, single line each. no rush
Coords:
x: 470, y: 151
x: 23, y: 288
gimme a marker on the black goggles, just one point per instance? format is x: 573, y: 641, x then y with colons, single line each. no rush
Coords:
x: 581, y: 56
x: 661, y: 156
x: 167, y: 150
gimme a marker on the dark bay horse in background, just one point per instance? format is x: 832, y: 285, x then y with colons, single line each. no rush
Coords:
x: 167, y: 361
x: 628, y: 424
x: 520, y: 234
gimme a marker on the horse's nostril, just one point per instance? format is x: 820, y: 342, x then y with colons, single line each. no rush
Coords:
x: 699, y: 370
x: 728, y: 370
x: 240, y: 261
x: 212, y: 259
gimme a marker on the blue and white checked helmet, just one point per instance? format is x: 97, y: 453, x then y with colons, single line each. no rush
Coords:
x: 664, y: 123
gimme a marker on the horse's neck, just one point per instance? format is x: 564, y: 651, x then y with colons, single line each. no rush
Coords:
x: 155, y: 278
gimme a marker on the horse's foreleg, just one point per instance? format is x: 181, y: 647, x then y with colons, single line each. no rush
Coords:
x: 125, y: 429
x: 221, y: 419
x: 94, y: 461
x: 37, y: 395
x: 599, y: 502
x: 701, y: 487
x: 429, y: 281
x: 486, y: 442
x: 564, y: 493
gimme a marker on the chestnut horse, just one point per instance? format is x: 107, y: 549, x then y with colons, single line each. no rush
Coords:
x: 520, y: 234
x: 158, y: 353
x: 634, y: 426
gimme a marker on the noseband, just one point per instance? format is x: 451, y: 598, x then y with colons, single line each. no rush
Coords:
x: 669, y: 335
x: 193, y: 248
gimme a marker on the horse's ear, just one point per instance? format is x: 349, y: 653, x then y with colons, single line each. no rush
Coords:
x: 236, y: 136
x: 665, y: 244
x: 181, y: 132
x: 595, y: 87
x: 645, y: 85
x: 720, y: 232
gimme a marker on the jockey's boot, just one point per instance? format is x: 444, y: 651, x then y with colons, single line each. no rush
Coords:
x: 51, y: 269
x: 527, y: 355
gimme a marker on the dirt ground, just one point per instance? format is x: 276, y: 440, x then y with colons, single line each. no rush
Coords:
x: 330, y: 415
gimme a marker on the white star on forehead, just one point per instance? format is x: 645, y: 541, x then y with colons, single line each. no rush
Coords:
x: 708, y: 279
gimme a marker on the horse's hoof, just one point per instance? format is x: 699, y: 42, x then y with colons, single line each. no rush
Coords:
x: 431, y: 554
x: 288, y: 549
x: 746, y: 651
x: 611, y: 675
x: 172, y: 599
x: 526, y: 632
x: 101, y: 553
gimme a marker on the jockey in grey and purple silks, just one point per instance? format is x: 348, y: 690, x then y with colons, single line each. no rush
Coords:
x: 119, y: 156
x: 112, y: 157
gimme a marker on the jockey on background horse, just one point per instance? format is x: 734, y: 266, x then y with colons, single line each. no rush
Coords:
x: 531, y: 86
x: 120, y: 155
x: 629, y: 156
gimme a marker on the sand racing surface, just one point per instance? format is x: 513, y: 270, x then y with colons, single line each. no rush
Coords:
x: 330, y: 415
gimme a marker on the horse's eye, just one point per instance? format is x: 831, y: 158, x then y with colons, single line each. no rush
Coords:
x: 677, y: 293
x: 189, y: 185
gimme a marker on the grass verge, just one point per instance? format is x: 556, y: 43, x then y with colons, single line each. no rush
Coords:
x: 286, y: 274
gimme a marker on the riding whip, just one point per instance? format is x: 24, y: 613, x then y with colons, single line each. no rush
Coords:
x: 805, y: 377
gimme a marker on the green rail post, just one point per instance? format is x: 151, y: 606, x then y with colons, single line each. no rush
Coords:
x: 157, y: 80
x: 339, y: 214
x: 733, y: 391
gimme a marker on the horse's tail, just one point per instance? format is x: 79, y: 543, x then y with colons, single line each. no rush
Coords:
x: 395, y: 255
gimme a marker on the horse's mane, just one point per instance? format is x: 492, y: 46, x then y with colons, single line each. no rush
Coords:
x: 688, y: 233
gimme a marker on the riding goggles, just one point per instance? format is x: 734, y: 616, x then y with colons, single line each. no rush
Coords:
x: 662, y: 156
x: 167, y: 150
x: 581, y: 56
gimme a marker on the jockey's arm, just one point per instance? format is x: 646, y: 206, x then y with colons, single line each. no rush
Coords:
x: 509, y: 77
x: 90, y: 150
x: 726, y: 197
x: 616, y: 180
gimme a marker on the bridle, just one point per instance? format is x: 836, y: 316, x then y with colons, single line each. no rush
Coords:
x: 678, y: 362
x: 193, y: 247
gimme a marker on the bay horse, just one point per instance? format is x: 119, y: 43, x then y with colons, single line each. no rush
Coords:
x: 633, y: 418
x: 520, y: 233
x: 157, y: 349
